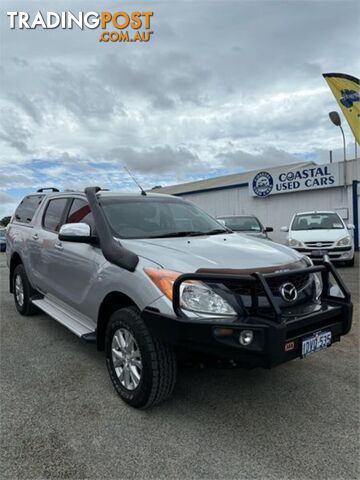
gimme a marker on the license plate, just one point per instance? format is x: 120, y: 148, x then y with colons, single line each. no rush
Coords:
x: 319, y: 253
x: 316, y: 342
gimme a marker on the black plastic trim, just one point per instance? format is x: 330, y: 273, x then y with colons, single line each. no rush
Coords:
x: 329, y: 249
x: 111, y: 247
x: 90, y: 337
x: 52, y: 189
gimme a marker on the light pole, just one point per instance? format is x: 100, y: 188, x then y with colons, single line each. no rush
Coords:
x: 336, y: 120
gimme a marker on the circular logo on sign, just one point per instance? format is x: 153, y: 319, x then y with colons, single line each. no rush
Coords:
x: 262, y: 184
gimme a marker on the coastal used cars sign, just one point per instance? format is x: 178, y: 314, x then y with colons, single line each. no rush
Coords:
x: 312, y: 177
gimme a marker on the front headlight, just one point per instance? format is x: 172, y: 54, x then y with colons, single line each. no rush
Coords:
x: 198, y: 297
x: 295, y: 243
x: 343, y: 242
x: 195, y: 296
x: 307, y: 260
x: 318, y: 285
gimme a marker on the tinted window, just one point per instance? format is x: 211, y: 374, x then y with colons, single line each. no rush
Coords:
x: 317, y: 221
x: 243, y: 224
x: 27, y: 208
x: 54, y: 213
x: 80, y: 212
x: 149, y: 218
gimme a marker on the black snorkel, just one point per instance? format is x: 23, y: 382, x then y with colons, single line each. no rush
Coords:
x: 111, y: 246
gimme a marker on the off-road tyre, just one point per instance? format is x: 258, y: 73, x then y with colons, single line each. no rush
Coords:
x: 25, y: 308
x: 159, y: 366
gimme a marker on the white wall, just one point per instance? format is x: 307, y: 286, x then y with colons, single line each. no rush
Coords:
x: 275, y: 210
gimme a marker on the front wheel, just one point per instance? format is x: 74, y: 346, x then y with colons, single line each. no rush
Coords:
x: 142, y: 369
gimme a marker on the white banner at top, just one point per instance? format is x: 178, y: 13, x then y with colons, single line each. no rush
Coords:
x: 312, y: 177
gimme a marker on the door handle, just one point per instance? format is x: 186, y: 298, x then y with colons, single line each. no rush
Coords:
x: 59, y: 246
x: 35, y: 236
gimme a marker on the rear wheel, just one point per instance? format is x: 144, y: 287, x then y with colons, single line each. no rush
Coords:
x: 142, y: 369
x: 23, y: 292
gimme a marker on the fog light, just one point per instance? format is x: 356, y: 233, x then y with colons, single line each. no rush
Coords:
x: 246, y: 337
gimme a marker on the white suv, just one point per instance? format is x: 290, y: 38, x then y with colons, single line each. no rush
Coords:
x: 318, y: 233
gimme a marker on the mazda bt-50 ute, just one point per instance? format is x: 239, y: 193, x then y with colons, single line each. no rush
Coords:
x: 148, y: 276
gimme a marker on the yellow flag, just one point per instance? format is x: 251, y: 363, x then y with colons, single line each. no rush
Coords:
x: 346, y: 90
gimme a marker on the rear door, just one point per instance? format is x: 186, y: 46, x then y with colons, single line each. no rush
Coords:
x: 24, y: 233
x: 72, y: 266
x: 46, y: 242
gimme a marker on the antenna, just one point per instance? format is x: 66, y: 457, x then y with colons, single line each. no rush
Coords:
x: 135, y: 181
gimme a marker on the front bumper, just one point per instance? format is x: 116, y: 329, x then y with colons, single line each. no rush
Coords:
x: 273, y: 343
x: 335, y: 253
x: 277, y: 337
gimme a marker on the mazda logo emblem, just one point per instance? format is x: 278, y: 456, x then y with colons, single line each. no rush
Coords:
x: 288, y: 292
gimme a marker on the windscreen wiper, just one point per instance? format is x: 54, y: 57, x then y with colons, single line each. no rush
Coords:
x: 192, y: 233
x: 185, y: 233
x: 217, y: 231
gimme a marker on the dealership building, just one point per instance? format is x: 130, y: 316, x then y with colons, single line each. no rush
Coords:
x: 275, y: 194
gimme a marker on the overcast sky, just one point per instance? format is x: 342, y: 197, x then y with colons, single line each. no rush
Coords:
x: 222, y: 87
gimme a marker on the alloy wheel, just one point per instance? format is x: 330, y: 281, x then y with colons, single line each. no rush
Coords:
x: 19, y: 290
x: 126, y: 358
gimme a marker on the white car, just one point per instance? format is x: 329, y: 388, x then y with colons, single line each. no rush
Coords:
x: 318, y: 233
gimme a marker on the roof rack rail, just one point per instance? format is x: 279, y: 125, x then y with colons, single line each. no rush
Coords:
x: 97, y: 189
x: 53, y: 189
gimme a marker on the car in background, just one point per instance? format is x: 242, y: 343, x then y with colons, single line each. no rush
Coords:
x: 321, y: 233
x: 248, y: 224
x: 2, y: 240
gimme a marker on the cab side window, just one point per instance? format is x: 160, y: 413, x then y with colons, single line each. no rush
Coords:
x: 80, y: 213
x: 54, y: 213
x: 27, y: 208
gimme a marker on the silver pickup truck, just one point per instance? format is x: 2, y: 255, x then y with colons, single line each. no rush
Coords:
x: 148, y: 276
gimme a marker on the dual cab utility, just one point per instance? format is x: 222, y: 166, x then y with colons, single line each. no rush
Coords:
x: 147, y: 276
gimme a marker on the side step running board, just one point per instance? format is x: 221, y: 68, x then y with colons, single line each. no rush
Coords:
x: 64, y: 317
x: 89, y: 337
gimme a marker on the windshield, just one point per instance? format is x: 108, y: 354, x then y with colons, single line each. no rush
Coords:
x: 317, y: 221
x: 149, y: 217
x: 243, y: 224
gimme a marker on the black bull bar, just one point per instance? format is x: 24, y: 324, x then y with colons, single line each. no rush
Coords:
x: 256, y: 280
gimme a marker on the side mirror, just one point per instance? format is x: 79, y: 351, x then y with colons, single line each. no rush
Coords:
x: 284, y: 229
x: 75, y: 232
x: 350, y: 226
x: 269, y: 229
x: 220, y: 220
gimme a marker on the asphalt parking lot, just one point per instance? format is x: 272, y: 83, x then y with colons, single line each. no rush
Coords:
x: 60, y: 417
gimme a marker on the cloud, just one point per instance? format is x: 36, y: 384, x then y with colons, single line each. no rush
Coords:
x: 158, y: 159
x: 251, y: 161
x: 7, y: 204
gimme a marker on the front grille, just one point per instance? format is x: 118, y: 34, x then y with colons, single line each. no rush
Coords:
x: 298, y: 280
x: 319, y: 244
